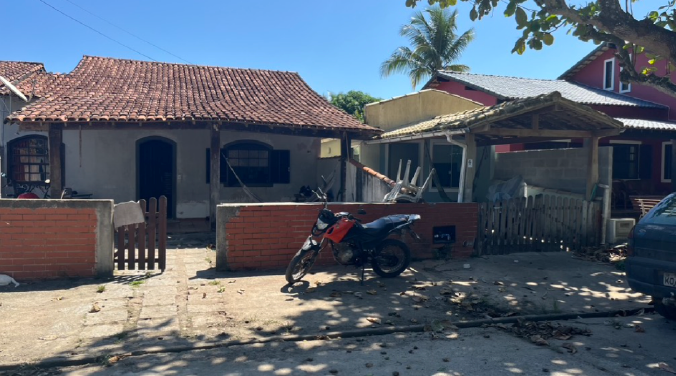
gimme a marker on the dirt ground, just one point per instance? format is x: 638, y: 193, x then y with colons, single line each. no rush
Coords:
x: 191, y: 304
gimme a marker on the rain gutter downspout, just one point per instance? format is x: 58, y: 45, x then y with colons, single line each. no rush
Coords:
x: 461, y: 186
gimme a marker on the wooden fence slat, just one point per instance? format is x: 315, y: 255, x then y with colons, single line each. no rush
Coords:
x: 163, y: 233
x: 142, y: 238
x: 152, y: 227
x: 487, y: 226
x: 120, y: 248
x: 493, y: 219
x: 529, y: 223
x: 566, y: 223
x: 585, y: 223
x: 131, y: 246
x: 537, y: 223
x: 559, y: 223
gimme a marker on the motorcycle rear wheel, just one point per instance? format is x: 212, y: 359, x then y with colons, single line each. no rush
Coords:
x: 391, y: 258
x: 300, y: 265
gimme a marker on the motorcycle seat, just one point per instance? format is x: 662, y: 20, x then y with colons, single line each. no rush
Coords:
x: 380, y: 227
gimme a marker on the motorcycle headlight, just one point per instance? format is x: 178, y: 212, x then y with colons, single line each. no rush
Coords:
x: 321, y: 225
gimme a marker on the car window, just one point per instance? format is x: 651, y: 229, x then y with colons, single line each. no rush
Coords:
x: 665, y: 212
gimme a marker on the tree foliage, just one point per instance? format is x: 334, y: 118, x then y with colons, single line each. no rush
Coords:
x: 434, y: 45
x: 353, y: 102
x: 598, y: 21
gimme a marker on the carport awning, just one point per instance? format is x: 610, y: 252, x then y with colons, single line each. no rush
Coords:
x: 534, y: 119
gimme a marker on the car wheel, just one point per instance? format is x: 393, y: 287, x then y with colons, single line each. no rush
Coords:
x: 669, y: 312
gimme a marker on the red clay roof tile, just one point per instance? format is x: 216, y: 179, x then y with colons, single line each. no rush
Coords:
x: 107, y: 89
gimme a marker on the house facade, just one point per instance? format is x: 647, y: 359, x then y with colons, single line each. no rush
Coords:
x: 641, y: 156
x: 129, y: 130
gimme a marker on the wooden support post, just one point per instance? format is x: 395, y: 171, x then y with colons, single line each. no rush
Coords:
x: 470, y: 167
x: 673, y: 165
x: 592, y: 145
x: 55, y: 168
x: 215, y: 182
x: 345, y: 153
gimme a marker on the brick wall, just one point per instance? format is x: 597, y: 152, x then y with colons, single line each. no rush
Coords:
x: 266, y: 236
x: 50, y: 239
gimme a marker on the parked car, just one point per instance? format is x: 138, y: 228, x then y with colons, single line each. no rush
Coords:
x: 651, y: 261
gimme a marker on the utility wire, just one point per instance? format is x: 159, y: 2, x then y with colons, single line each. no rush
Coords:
x: 96, y: 31
x: 130, y: 33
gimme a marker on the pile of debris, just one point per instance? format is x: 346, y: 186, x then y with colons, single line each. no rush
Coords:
x: 540, y: 332
x: 603, y: 254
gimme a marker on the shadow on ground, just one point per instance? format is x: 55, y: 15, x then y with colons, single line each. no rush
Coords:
x: 192, y: 305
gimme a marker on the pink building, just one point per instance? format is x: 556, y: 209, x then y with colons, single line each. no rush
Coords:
x: 642, y: 155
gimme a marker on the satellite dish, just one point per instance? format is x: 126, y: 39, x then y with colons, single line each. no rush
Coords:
x: 13, y: 88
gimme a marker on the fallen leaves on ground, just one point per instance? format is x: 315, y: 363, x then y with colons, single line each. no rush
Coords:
x: 540, y: 332
x: 95, y: 308
x: 570, y: 347
x: 374, y: 320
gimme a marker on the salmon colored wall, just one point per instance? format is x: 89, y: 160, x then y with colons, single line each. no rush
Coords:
x: 266, y: 236
x: 592, y: 75
x: 48, y: 242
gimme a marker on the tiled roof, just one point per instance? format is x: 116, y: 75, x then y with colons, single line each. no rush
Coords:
x: 16, y: 71
x: 516, y: 87
x: 107, y: 89
x: 648, y: 124
x: 469, y: 118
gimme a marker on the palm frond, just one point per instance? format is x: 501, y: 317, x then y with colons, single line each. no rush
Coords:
x: 434, y: 45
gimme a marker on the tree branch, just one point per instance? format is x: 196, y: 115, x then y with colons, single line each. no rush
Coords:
x: 614, y: 20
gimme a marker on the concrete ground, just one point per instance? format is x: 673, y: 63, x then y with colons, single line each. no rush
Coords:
x: 191, y: 305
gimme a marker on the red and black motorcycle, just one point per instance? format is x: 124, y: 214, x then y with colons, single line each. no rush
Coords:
x: 354, y: 243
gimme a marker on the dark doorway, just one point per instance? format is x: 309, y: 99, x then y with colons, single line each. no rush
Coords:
x: 156, y: 170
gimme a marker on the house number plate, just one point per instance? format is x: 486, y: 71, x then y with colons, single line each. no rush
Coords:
x: 670, y: 279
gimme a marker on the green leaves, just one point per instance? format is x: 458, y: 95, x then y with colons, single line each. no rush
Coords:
x: 511, y: 8
x: 353, y: 102
x: 548, y: 39
x: 473, y: 14
x: 521, y: 18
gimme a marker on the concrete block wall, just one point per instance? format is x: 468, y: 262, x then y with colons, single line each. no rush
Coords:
x: 562, y: 169
x: 267, y: 235
x: 42, y: 239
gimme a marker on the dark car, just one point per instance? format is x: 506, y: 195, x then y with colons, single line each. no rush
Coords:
x: 651, y: 261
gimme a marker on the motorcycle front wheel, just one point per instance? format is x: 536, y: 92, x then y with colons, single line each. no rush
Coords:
x: 391, y: 258
x: 300, y: 265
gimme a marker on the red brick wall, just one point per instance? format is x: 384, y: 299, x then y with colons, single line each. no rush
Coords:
x: 47, y: 242
x: 265, y: 236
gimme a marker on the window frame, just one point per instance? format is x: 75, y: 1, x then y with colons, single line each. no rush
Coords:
x: 11, y: 145
x: 638, y: 156
x: 628, y: 89
x: 433, y: 187
x: 234, y: 146
x: 612, y: 74
x: 664, y: 162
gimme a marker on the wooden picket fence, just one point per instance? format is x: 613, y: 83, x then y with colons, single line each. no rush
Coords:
x: 543, y: 223
x: 136, y: 244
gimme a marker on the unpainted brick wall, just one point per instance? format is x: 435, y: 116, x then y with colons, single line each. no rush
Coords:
x: 264, y: 236
x: 47, y: 242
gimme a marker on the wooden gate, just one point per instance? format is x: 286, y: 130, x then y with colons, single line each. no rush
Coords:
x: 142, y: 246
x: 543, y: 223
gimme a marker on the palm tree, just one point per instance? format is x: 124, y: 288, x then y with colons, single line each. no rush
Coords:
x: 434, y: 46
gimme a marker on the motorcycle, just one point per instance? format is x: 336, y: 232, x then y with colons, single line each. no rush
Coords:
x: 354, y: 243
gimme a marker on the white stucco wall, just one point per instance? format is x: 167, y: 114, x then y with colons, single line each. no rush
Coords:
x: 105, y: 166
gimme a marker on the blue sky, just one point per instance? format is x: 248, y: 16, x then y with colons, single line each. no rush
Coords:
x: 336, y: 46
